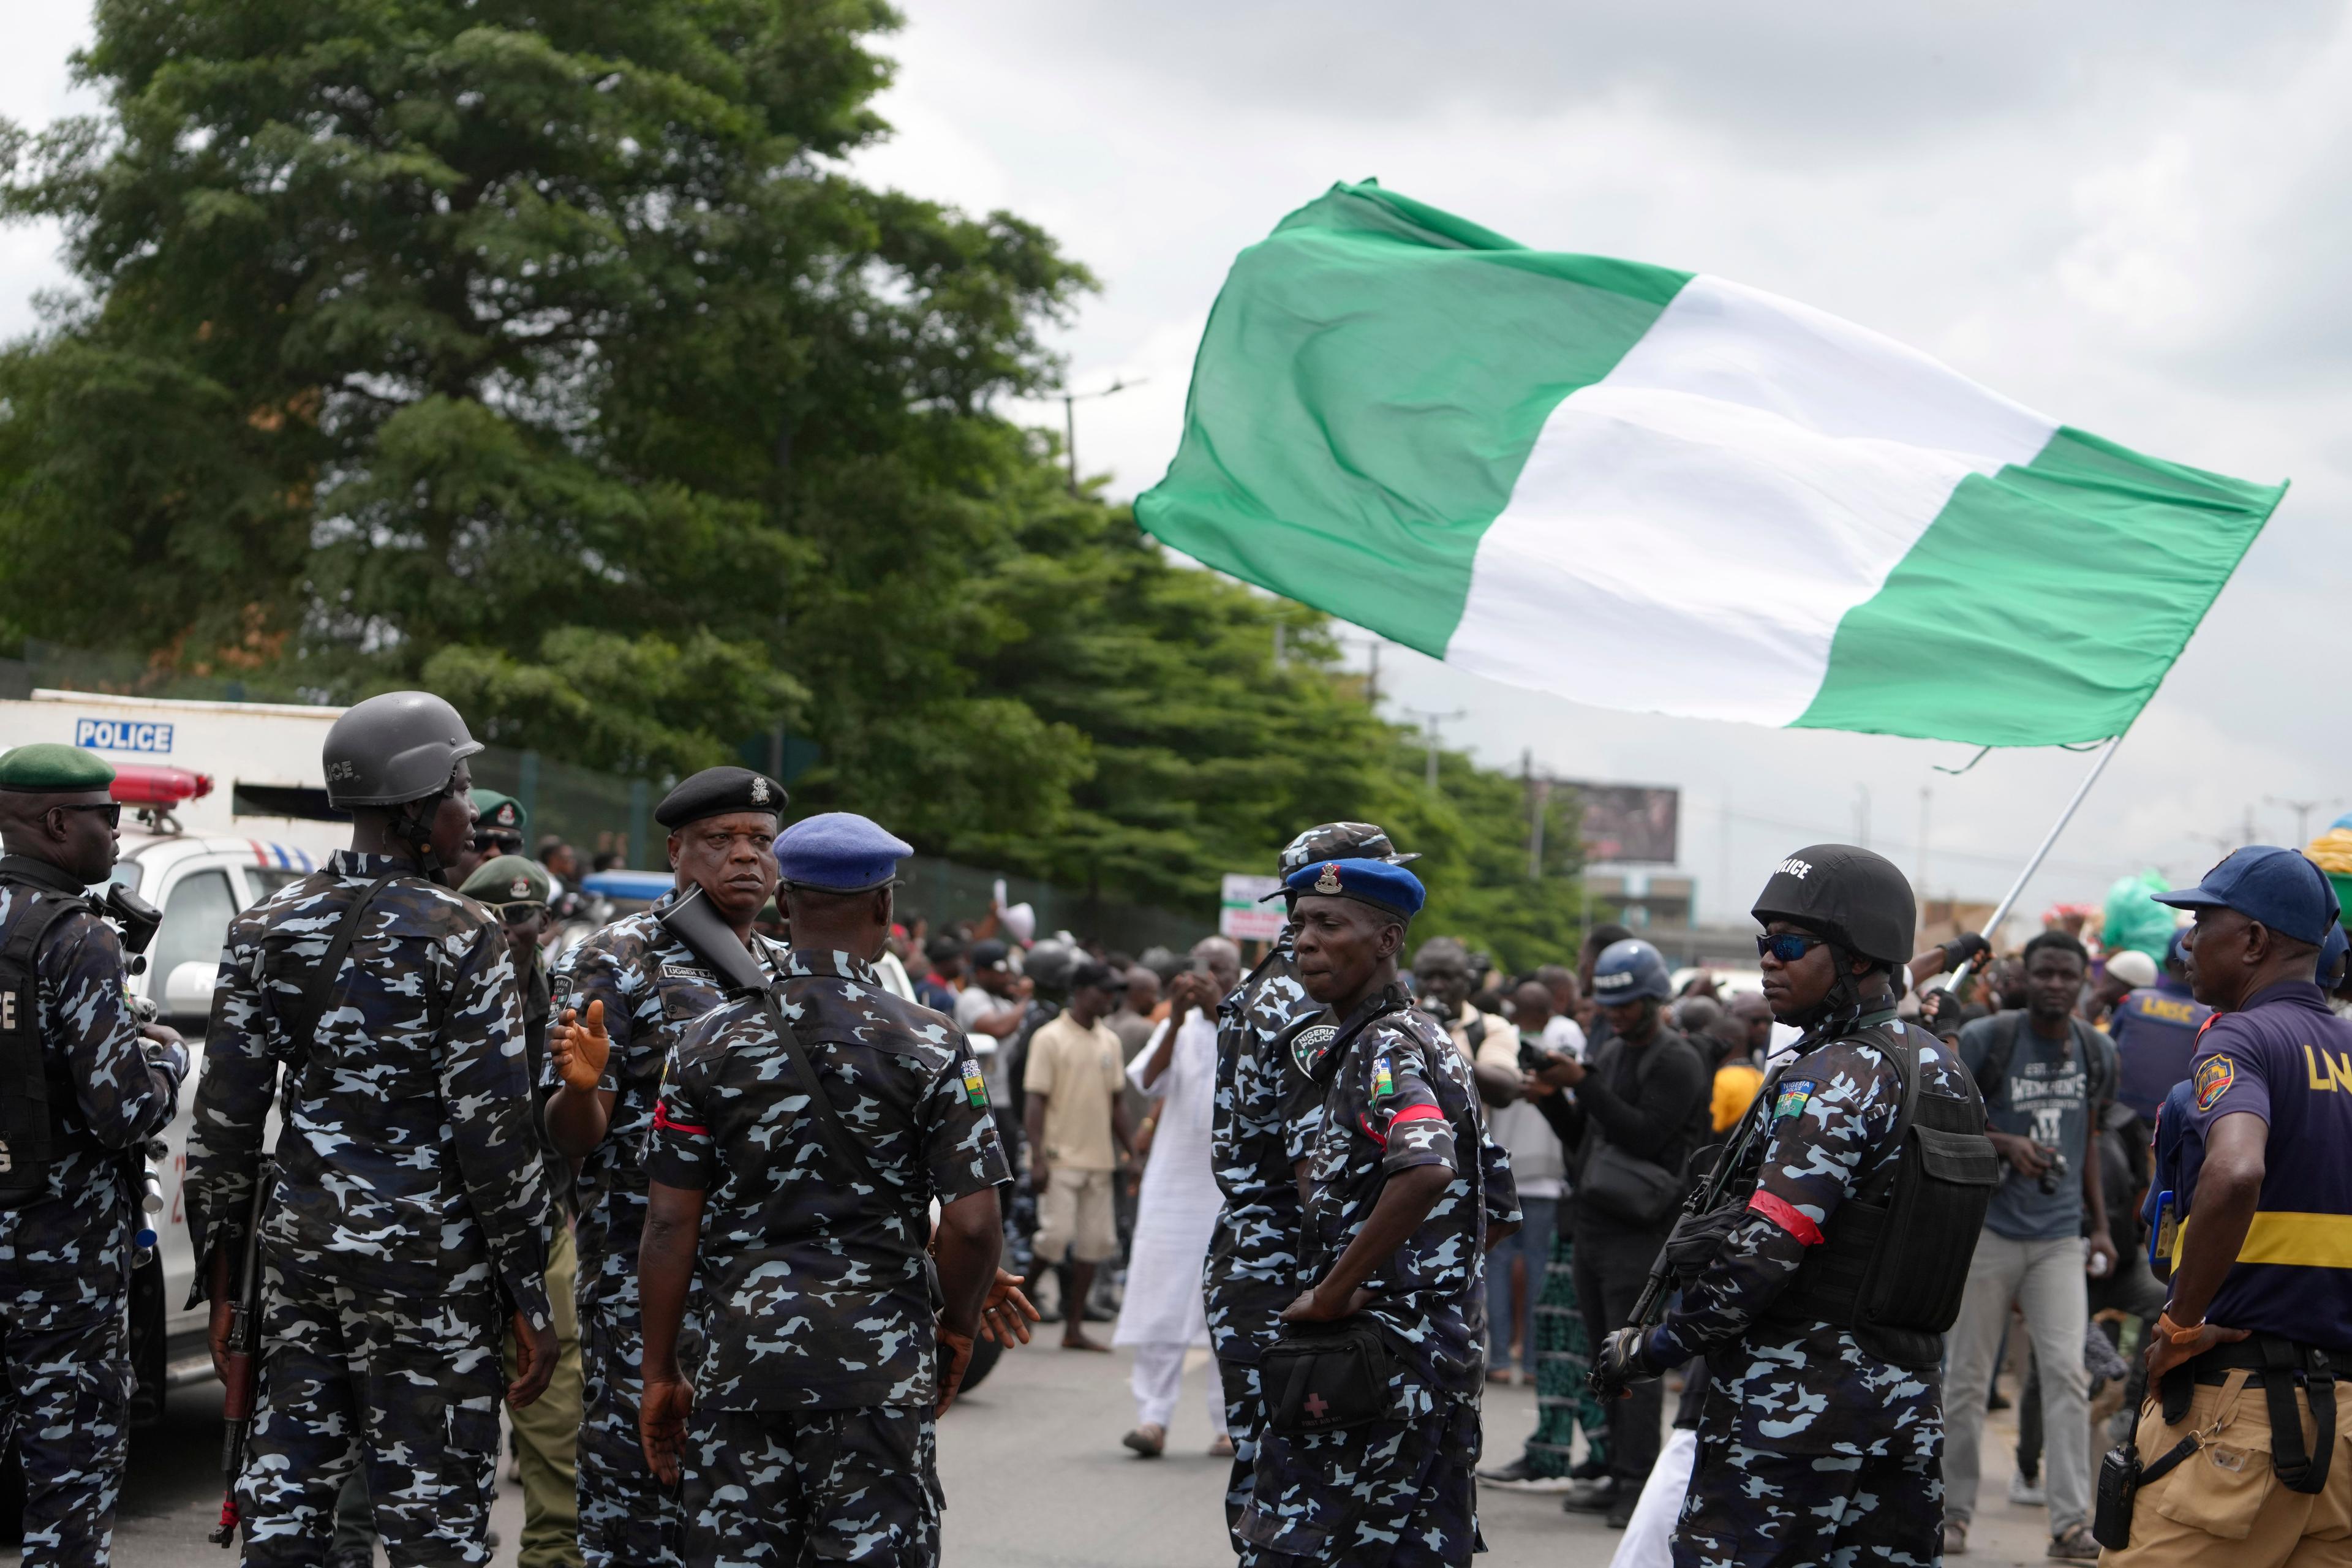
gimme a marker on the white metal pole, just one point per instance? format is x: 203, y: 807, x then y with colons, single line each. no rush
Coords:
x: 2017, y: 888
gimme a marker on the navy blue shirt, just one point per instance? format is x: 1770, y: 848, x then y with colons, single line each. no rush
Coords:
x: 2288, y: 1060
x: 2155, y: 1032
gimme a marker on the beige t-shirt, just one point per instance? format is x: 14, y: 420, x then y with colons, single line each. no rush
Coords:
x: 1079, y: 1072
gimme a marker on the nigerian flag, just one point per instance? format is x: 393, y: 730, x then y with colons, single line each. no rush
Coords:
x: 1659, y: 490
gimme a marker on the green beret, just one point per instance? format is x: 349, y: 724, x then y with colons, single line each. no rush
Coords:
x: 500, y: 813
x: 507, y: 879
x: 51, y: 769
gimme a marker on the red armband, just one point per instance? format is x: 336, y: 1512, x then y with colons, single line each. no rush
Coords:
x: 662, y: 1119
x: 1787, y: 1216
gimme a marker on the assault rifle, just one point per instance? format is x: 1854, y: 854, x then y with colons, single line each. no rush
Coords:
x: 1690, y: 1230
x: 136, y: 919
x: 242, y: 1371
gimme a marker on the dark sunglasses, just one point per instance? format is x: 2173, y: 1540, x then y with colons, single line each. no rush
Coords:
x: 1788, y: 946
x: 113, y: 809
x: 521, y: 914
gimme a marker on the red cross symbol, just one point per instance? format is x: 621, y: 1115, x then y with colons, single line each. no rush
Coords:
x: 1317, y: 1406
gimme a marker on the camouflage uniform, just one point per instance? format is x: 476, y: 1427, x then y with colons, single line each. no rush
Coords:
x: 1265, y: 1116
x: 811, y: 1434
x: 65, y: 1256
x: 1397, y: 1491
x: 408, y: 1215
x: 1811, y: 1447
x: 654, y: 990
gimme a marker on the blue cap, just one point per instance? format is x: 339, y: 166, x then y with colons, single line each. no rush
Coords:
x: 2331, y: 957
x: 1374, y: 882
x: 838, y: 852
x: 2280, y: 888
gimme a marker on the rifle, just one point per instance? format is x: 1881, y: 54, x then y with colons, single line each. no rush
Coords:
x: 703, y: 934
x: 239, y: 1377
x: 1703, y: 1199
x: 136, y: 919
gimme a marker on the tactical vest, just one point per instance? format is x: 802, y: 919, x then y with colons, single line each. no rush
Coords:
x: 32, y: 1102
x: 1894, y: 1260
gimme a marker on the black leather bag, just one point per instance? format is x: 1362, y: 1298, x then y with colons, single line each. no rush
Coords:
x: 1321, y: 1378
x: 1627, y: 1187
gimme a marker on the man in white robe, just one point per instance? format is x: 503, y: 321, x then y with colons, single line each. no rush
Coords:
x: 1164, y: 1314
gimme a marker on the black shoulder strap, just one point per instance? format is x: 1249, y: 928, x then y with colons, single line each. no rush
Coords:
x: 1992, y: 1073
x: 300, y: 1031
x: 838, y: 1139
x: 25, y: 942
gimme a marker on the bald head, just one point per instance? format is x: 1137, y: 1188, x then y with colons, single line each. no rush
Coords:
x: 1532, y: 1008
x: 1222, y: 959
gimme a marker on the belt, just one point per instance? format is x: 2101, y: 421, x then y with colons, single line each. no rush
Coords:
x: 2278, y: 1365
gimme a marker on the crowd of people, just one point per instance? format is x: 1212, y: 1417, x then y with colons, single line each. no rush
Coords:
x: 721, y: 1197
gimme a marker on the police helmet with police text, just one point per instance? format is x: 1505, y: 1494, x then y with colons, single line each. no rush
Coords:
x: 397, y: 747
x: 1854, y: 897
x: 1629, y: 970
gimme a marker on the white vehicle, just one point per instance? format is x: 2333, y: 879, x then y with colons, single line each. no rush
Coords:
x: 230, y: 802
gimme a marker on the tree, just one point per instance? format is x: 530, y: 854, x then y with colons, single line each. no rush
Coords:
x: 549, y: 357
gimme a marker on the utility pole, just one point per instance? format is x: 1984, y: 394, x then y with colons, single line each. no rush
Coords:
x: 1539, y: 799
x: 1433, y: 721
x: 1372, y: 682
x: 1280, y: 652
x: 1070, y: 400
x: 1926, y: 794
x: 2302, y: 810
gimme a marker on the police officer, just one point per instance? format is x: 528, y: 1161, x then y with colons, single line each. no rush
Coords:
x: 1263, y: 1126
x: 80, y: 1081
x: 1821, y: 1433
x: 1403, y: 1201
x: 499, y: 829
x: 547, y: 1433
x: 808, y: 1434
x: 405, y: 1229
x: 2248, y: 1457
x: 2155, y: 1030
x: 627, y: 994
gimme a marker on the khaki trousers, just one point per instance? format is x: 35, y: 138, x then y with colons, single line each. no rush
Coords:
x: 2223, y: 1505
x: 546, y: 1430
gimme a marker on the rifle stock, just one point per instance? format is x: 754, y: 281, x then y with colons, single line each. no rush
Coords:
x: 241, y: 1373
x: 703, y: 934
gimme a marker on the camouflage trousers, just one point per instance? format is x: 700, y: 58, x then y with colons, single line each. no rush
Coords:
x: 1390, y: 1494
x: 1750, y: 1509
x: 67, y: 1384
x: 1245, y: 1414
x: 776, y: 1488
x: 407, y: 1389
x: 627, y: 1518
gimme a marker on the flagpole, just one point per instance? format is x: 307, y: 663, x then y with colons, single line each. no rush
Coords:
x: 2017, y: 888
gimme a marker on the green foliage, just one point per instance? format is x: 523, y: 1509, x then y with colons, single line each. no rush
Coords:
x: 550, y: 358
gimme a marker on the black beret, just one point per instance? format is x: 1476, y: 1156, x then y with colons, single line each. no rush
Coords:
x: 714, y: 791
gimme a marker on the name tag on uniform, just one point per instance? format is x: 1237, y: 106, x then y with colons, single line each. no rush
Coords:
x: 688, y: 972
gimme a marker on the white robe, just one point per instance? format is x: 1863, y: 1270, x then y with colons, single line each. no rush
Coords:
x: 1176, y: 1213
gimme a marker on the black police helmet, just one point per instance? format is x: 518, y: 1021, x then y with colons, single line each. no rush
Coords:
x: 394, y: 748
x: 1854, y: 897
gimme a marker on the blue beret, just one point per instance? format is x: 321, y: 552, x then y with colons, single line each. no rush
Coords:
x: 838, y: 852
x: 1374, y: 882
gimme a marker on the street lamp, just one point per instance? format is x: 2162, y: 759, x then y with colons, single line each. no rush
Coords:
x: 1070, y: 420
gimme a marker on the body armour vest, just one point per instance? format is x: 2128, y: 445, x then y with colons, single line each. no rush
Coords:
x: 31, y: 1102
x: 1894, y: 1259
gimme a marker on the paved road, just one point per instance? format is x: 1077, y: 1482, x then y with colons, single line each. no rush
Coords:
x: 1034, y: 1478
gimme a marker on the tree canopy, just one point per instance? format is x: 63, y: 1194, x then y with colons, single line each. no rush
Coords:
x: 554, y: 359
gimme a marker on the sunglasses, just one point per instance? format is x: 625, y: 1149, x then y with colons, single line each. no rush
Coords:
x: 1788, y: 946
x: 521, y: 914
x: 112, y: 808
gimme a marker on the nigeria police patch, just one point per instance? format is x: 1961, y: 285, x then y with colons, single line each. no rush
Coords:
x: 1792, y: 1100
x: 2213, y: 1080
x: 1307, y: 1045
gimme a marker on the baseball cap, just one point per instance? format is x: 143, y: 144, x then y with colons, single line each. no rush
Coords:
x: 988, y: 954
x: 2280, y: 888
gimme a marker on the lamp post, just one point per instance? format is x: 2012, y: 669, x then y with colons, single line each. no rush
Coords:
x: 1070, y: 400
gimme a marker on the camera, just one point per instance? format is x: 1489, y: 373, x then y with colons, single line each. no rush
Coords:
x: 2050, y: 1178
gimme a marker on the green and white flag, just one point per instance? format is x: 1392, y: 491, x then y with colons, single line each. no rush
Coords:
x: 1658, y: 490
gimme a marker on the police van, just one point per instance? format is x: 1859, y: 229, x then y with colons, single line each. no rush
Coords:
x: 223, y: 803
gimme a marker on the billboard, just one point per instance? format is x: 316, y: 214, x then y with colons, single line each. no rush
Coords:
x: 1240, y: 916
x: 1629, y: 824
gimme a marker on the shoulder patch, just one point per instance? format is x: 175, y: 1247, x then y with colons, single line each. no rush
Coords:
x: 1383, y: 1081
x: 2213, y: 1081
x: 1792, y: 1099
x: 974, y: 1087
x: 1307, y: 1045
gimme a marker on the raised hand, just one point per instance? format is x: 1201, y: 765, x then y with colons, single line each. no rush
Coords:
x: 580, y: 1048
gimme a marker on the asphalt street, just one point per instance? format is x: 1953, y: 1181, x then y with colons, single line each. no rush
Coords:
x: 1034, y: 1477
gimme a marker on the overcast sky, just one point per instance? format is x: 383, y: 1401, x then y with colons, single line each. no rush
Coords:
x: 2132, y: 218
